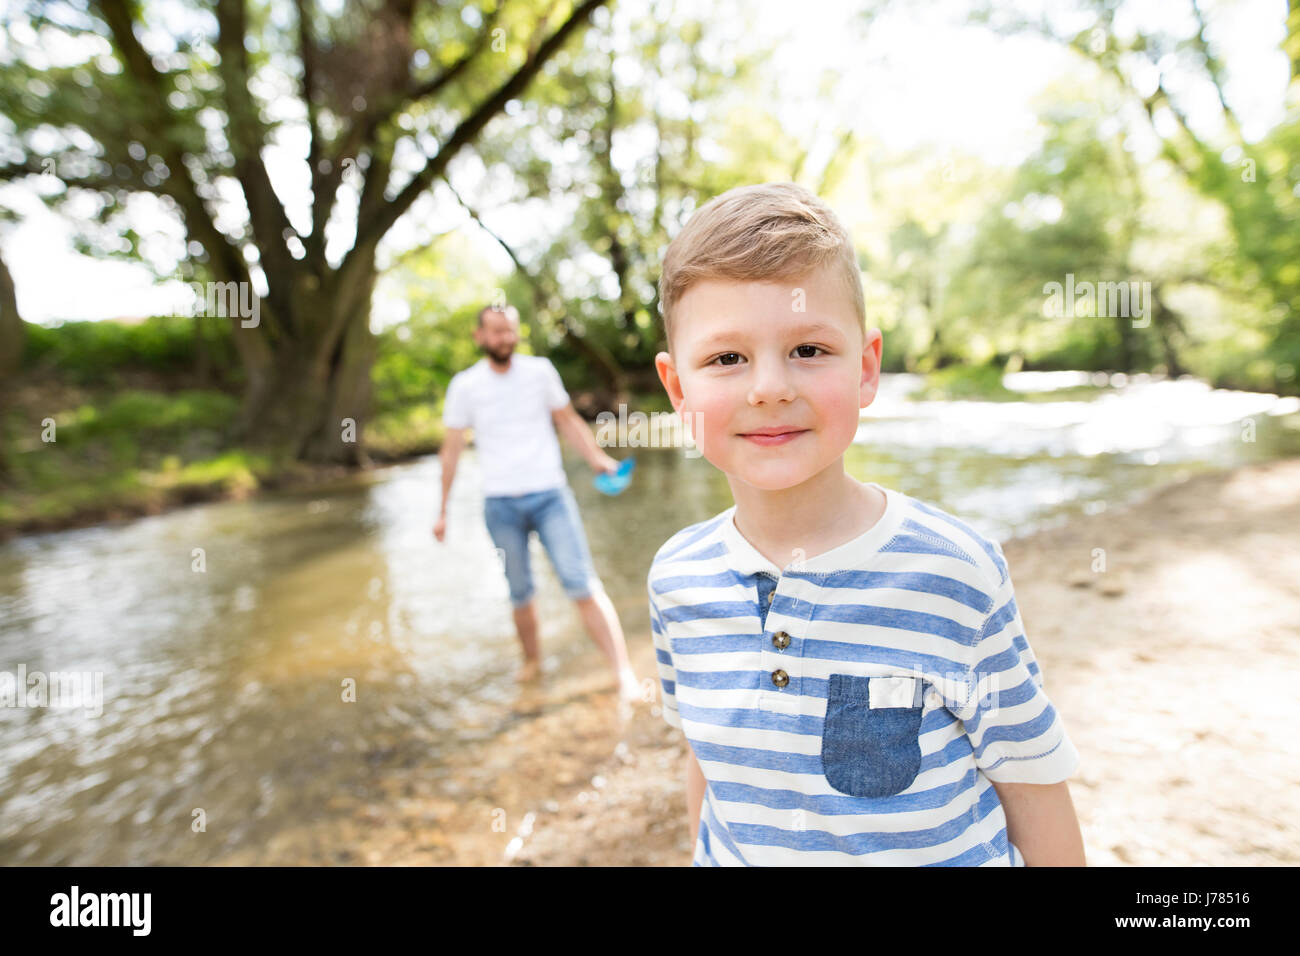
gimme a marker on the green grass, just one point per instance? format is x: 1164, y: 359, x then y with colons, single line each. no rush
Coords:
x: 126, y: 452
x: 973, y: 382
x: 1072, y: 393
x: 139, y: 451
x: 983, y: 383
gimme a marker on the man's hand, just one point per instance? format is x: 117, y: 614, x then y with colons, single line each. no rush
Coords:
x: 603, y: 463
x: 448, y: 455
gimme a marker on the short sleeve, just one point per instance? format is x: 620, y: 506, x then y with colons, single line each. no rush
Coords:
x: 556, y: 396
x: 1017, y: 734
x: 664, y: 659
x: 455, y: 406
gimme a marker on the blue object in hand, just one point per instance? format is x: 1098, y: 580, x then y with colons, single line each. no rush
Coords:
x: 617, y: 482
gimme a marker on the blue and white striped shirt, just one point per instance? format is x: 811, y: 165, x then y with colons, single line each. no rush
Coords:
x: 853, y: 708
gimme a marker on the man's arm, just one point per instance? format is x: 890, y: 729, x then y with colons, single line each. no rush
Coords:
x: 1041, y: 822
x: 452, y: 443
x: 574, y: 430
x: 695, y: 784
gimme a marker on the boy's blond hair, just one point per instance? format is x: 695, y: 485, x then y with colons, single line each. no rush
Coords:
x: 760, y: 233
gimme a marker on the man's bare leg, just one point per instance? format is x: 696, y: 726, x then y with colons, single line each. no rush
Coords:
x: 601, y: 621
x: 526, y: 628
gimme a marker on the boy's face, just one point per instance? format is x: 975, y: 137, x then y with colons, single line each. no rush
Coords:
x: 745, y: 361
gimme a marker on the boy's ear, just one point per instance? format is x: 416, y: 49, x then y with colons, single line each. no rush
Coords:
x: 667, y: 370
x: 871, y: 351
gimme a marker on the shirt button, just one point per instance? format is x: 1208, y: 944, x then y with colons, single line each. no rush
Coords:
x: 780, y: 678
x: 781, y: 640
x: 770, y: 595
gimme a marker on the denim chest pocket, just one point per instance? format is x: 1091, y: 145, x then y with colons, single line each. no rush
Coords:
x: 872, y: 751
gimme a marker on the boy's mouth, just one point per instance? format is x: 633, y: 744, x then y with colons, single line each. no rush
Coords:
x: 774, y: 436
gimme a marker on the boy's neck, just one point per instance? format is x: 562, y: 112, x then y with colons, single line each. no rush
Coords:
x: 829, y: 509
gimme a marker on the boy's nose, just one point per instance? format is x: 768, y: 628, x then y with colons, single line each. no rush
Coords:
x: 770, y: 383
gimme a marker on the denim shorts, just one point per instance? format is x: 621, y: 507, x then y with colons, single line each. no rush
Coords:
x: 553, y: 514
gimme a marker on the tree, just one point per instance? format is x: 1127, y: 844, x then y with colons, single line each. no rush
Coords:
x: 381, y: 98
x: 1257, y: 183
x: 1081, y: 205
x: 644, y: 122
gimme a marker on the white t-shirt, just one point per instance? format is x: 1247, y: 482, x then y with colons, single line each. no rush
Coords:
x: 510, y: 413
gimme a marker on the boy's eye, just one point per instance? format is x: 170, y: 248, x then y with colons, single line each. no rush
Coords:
x: 803, y: 351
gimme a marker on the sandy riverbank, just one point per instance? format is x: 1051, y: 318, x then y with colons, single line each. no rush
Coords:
x: 1171, y: 669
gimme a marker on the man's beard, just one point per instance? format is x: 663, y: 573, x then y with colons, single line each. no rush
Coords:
x: 500, y: 356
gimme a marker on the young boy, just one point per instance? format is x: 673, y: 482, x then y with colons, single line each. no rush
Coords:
x: 847, y: 662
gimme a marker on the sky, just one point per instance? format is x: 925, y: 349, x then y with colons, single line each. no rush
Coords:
x: 893, y: 84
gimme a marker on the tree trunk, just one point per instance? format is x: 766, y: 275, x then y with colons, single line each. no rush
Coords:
x: 1167, y: 325
x: 202, y: 356
x: 1124, y: 329
x: 609, y: 371
x: 1291, y: 45
x: 348, y: 396
x: 12, y: 334
x: 311, y: 400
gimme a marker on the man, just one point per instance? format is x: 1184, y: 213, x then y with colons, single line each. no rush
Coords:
x: 515, y: 404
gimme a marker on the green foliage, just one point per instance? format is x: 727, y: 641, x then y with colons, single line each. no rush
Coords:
x: 90, y: 353
x: 958, y: 382
x: 153, y: 418
x: 414, y: 429
x: 418, y: 367
x: 444, y: 286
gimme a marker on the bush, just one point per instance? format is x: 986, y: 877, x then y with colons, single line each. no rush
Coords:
x: 977, y: 382
x: 91, y: 352
x: 148, y: 417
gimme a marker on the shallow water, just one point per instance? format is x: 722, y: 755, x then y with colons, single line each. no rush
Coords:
x: 229, y: 636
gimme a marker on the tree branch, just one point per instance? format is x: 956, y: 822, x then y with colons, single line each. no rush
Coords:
x: 602, y: 359
x: 227, y: 261
x: 372, y: 227
x: 320, y: 207
x: 362, y: 134
x: 247, y: 137
x: 1215, y: 69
